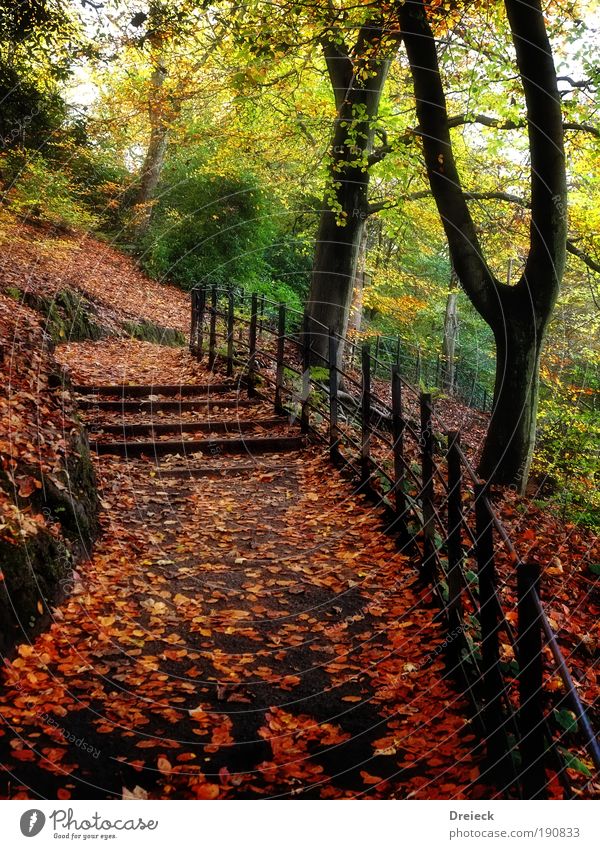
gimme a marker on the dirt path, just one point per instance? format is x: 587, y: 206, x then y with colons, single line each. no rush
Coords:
x: 233, y: 636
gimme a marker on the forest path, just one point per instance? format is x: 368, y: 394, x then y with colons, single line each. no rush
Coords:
x: 243, y: 629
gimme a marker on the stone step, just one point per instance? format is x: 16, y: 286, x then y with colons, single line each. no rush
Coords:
x: 142, y: 428
x: 165, y: 389
x: 142, y: 405
x: 213, y: 447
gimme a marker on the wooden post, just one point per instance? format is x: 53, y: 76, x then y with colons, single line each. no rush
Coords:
x: 455, y: 545
x: 279, y: 408
x: 262, y: 316
x: 252, y: 347
x: 212, y: 340
x: 398, y: 427
x: 230, y: 332
x: 427, y: 489
x: 193, y: 321
x: 200, y: 327
x: 365, y: 450
x: 490, y: 625
x: 304, y: 410
x: 529, y: 656
x: 418, y: 367
x: 334, y: 451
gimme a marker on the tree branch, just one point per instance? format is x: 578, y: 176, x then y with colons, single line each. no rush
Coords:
x: 340, y: 69
x: 519, y: 201
x: 432, y: 114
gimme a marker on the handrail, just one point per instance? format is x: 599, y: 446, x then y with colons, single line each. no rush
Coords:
x: 421, y: 504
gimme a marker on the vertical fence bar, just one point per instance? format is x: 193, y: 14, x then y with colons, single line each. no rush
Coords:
x: 529, y: 655
x: 489, y: 621
x: 279, y: 408
x: 304, y: 410
x: 365, y: 447
x: 427, y: 489
x: 200, y: 326
x: 261, y: 316
x: 193, y: 321
x: 398, y: 426
x: 230, y: 332
x: 252, y: 347
x: 455, y: 545
x: 334, y: 451
x: 212, y: 339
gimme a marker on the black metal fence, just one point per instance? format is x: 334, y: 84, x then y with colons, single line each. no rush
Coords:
x: 403, y: 457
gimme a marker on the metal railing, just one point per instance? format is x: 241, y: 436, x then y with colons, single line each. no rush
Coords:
x: 435, y: 503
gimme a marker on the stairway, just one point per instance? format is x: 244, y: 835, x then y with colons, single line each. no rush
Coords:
x: 189, y: 423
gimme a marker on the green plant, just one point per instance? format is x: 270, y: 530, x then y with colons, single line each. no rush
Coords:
x: 34, y: 187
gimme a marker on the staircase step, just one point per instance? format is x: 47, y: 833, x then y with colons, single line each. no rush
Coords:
x: 142, y: 390
x: 182, y: 472
x: 250, y: 445
x: 141, y: 405
x: 142, y: 428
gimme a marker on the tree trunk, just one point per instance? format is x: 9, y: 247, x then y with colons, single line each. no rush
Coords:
x: 508, y: 448
x: 450, y: 337
x: 355, y: 319
x: 160, y: 116
x: 518, y: 314
x: 345, y: 207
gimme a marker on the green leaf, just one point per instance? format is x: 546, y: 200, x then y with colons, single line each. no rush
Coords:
x: 573, y: 762
x: 566, y: 719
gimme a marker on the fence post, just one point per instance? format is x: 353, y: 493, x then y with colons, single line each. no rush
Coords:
x: 304, y: 410
x: 489, y: 621
x: 252, y: 347
x: 529, y: 656
x: 261, y: 316
x: 200, y: 325
x: 279, y: 408
x: 193, y: 321
x: 334, y: 451
x: 212, y: 340
x: 230, y: 332
x: 398, y: 426
x: 365, y: 446
x: 427, y: 490
x: 455, y: 545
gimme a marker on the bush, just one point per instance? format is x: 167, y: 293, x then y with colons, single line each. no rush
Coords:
x: 208, y: 228
x: 34, y: 188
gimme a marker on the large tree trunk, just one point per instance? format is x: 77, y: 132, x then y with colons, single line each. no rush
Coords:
x: 518, y: 314
x: 450, y: 337
x: 155, y: 154
x: 356, y: 309
x: 345, y: 207
x: 510, y: 440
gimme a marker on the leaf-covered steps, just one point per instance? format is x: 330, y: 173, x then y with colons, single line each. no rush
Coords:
x: 164, y: 389
x: 142, y: 404
x: 232, y: 426
x: 248, y: 445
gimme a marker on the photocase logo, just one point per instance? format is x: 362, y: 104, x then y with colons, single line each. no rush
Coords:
x: 32, y: 822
